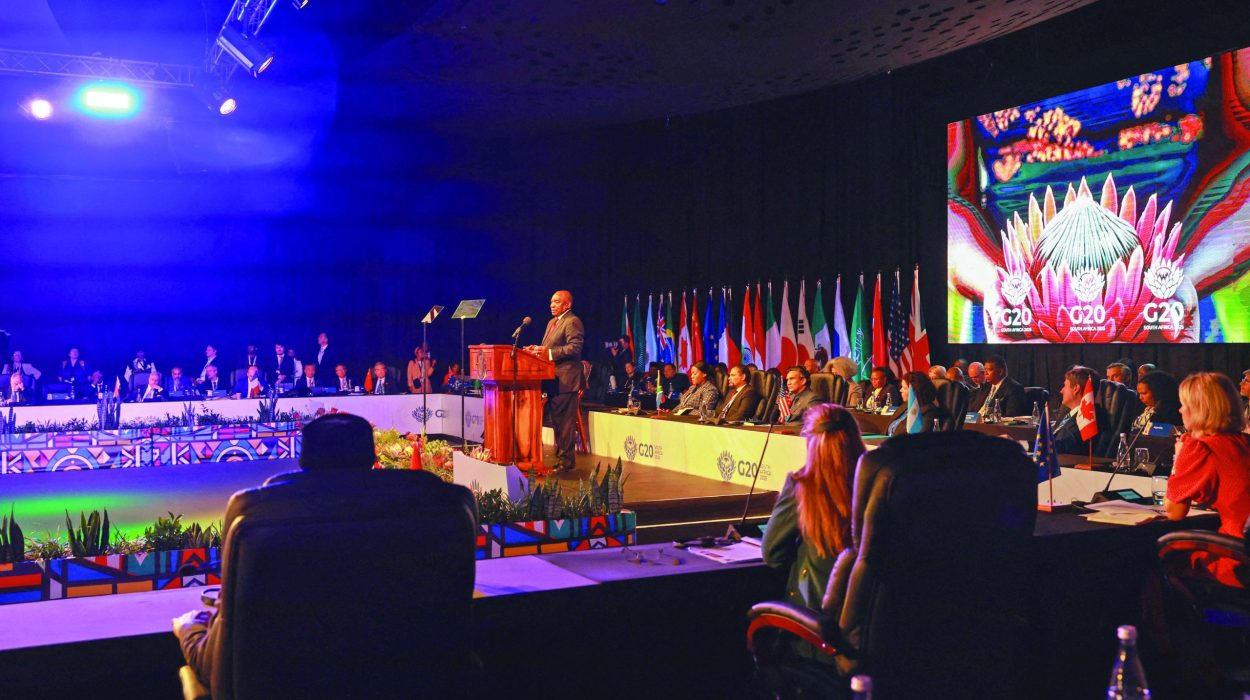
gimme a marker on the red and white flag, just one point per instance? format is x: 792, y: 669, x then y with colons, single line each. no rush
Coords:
x: 685, y: 351
x: 783, y: 406
x: 1086, y: 419
x: 916, y: 357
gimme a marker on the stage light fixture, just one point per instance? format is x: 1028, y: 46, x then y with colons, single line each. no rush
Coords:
x: 39, y: 108
x: 216, y: 97
x: 248, y: 51
x: 108, y: 100
x: 300, y: 4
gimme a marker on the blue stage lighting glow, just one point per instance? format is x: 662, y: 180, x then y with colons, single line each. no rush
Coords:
x: 40, y: 108
x: 108, y: 100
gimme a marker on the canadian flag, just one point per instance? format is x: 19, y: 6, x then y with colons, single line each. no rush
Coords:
x: 1086, y: 420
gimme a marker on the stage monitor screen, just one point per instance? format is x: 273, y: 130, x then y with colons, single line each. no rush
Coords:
x: 1114, y: 214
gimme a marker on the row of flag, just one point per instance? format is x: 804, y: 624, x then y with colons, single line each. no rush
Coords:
x: 770, y: 337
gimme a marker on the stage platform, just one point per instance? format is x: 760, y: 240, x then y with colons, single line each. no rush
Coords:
x: 669, y: 504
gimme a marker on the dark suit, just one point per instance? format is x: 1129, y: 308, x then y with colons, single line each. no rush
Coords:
x: 740, y: 405
x: 887, y: 395
x: 240, y: 387
x: 182, y: 384
x: 216, y: 362
x: 800, y: 402
x: 158, y: 393
x: 325, y: 366
x: 284, y: 366
x: 207, y: 386
x: 251, y: 361
x: 390, y: 386
x: 1011, y: 393
x: 94, y: 392
x: 302, y: 388
x: 25, y: 396
x: 1068, y: 436
x: 563, y: 339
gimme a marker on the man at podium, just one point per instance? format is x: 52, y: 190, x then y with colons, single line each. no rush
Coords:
x: 562, y: 344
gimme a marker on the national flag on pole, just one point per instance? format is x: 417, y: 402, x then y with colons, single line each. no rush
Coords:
x: 820, y: 326
x: 1087, y: 419
x: 1044, y: 455
x: 789, y: 351
x: 626, y: 331
x: 748, y: 331
x: 759, y: 340
x: 772, y: 341
x: 915, y: 421
x: 670, y: 329
x: 711, y: 331
x: 722, y: 327
x: 640, y: 336
x: 898, y: 328
x: 880, y: 351
x: 696, y: 333
x: 683, y: 339
x: 653, y: 353
x: 783, y: 405
x: 858, y: 337
x: 841, y: 341
x: 729, y: 346
x: 664, y: 349
x: 916, y: 356
x: 802, y: 330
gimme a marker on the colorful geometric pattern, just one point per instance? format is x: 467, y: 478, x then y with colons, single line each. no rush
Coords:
x: 145, y: 447
x: 79, y: 577
x: 548, y: 536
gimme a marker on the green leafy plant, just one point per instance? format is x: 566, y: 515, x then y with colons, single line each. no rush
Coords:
x: 12, y: 543
x: 124, y: 544
x: 92, y: 537
x: 50, y: 547
x: 267, y: 410
x: 165, y: 534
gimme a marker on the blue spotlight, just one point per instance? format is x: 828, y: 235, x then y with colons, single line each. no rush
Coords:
x: 108, y: 100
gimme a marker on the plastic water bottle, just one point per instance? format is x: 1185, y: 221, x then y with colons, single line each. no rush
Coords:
x: 1128, y: 680
x: 1121, y: 453
x: 1036, y: 418
x: 861, y: 688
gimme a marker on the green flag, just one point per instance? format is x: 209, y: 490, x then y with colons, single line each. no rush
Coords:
x: 772, y: 334
x: 640, y: 335
x: 859, y: 351
x: 820, y: 326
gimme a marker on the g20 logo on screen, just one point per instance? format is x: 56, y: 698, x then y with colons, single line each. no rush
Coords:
x: 1166, y: 314
x: 1016, y: 318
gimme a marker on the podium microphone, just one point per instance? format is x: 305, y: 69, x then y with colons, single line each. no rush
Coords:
x: 524, y: 322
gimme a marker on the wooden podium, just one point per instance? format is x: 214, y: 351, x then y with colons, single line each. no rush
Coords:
x: 507, y: 384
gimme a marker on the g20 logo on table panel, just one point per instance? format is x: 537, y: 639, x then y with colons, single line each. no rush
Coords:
x: 633, y: 448
x: 728, y: 465
x: 423, y: 414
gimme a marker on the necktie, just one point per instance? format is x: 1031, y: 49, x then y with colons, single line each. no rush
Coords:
x: 310, y: 383
x: 343, y: 384
x: 377, y: 389
x: 551, y: 325
x: 725, y: 411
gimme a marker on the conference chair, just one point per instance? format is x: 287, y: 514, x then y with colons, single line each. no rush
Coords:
x: 345, y: 584
x: 1036, y: 395
x: 765, y: 385
x: 822, y: 384
x: 1208, y: 622
x: 139, y: 380
x: 1122, y: 406
x: 841, y: 391
x: 235, y: 374
x: 954, y: 397
x: 722, y: 379
x: 767, y: 410
x: 927, y: 598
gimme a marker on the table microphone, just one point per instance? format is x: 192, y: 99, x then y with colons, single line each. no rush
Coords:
x: 736, y: 533
x: 1104, y: 495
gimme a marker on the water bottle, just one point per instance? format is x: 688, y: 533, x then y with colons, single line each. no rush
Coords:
x: 1121, y: 453
x: 1036, y: 419
x: 861, y: 688
x: 1128, y: 680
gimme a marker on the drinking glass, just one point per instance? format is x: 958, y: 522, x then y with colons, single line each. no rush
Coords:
x: 1158, y: 488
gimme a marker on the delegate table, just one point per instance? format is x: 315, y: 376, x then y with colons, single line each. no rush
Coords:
x: 731, y: 453
x: 403, y: 412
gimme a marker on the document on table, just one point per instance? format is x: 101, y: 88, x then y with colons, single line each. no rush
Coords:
x: 735, y: 553
x: 1122, y: 513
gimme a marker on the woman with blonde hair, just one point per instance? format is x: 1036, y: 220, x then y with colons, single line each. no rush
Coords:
x: 846, y: 368
x: 1212, y: 464
x: 811, y: 520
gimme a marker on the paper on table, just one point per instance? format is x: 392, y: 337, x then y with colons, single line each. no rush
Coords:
x: 735, y: 553
x: 1121, y: 513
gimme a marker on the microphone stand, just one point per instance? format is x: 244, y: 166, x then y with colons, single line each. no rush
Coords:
x: 1103, y: 496
x: 734, y: 534
x: 516, y: 442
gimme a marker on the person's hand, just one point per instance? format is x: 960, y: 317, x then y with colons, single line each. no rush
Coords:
x: 1180, y: 443
x: 191, y: 620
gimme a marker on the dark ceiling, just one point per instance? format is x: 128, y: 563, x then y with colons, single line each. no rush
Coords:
x: 523, y: 64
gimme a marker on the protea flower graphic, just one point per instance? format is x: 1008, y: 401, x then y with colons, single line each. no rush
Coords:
x: 1088, y: 271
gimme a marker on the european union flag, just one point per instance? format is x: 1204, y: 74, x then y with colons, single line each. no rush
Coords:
x: 1044, y: 455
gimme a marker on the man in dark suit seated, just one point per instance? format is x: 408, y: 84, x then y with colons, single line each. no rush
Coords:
x: 341, y: 382
x: 176, y: 383
x: 884, y: 392
x: 740, y: 399
x: 304, y: 385
x: 153, y: 391
x: 1067, y: 428
x: 96, y: 387
x: 212, y: 384
x: 999, y: 387
x: 332, y: 444
x: 18, y: 389
x: 281, y: 367
x: 801, y: 395
x: 251, y: 386
x: 382, y: 383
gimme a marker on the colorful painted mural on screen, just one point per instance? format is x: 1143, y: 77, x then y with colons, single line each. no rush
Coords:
x: 1120, y: 213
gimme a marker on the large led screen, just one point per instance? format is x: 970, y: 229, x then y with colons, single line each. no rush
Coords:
x: 1116, y: 214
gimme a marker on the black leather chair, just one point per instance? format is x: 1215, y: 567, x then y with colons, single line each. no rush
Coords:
x: 841, y: 391
x: 822, y: 384
x: 722, y: 379
x: 345, y: 584
x: 1122, y: 406
x: 954, y: 397
x: 1208, y: 622
x: 1036, y: 395
x: 929, y: 594
x: 766, y: 384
